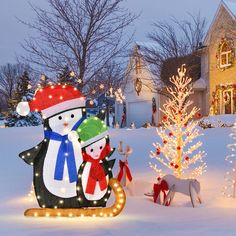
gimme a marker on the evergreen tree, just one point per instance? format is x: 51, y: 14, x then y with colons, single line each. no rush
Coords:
x: 23, y: 86
x: 44, y: 81
x: 23, y: 92
x: 67, y: 77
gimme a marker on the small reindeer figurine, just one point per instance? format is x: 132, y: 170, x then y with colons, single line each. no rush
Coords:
x: 165, y: 189
x: 189, y: 187
x: 124, y: 175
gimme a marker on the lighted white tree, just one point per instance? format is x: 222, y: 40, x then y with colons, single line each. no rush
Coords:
x: 178, y: 132
x: 230, y: 176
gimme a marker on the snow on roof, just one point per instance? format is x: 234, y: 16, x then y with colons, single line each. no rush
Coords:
x: 199, y: 84
x: 226, y: 120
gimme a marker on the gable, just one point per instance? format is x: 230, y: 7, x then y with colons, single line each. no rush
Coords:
x: 142, y: 77
x: 226, y: 12
x: 231, y: 7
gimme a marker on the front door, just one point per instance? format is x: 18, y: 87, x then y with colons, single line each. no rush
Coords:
x: 228, y: 102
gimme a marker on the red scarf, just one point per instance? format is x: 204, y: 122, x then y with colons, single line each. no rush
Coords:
x: 124, y: 164
x: 157, y: 189
x: 96, y: 171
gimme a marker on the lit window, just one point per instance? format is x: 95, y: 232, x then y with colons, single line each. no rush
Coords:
x: 225, y: 55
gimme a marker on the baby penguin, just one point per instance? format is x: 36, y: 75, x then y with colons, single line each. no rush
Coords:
x: 93, y: 188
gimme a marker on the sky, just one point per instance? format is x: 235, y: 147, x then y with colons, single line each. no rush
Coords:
x: 13, y: 33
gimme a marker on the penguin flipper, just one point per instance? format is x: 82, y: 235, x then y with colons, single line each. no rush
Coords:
x: 111, y: 152
x: 111, y: 163
x: 29, y: 155
x: 108, y: 165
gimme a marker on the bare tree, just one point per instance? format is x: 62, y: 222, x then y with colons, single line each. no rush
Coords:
x: 9, y: 79
x: 107, y: 81
x: 82, y: 34
x: 9, y: 76
x: 176, y: 40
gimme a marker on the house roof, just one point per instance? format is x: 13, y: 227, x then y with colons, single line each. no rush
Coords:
x: 230, y: 7
x: 144, y: 49
x: 153, y: 79
x: 146, y: 45
x: 199, y: 84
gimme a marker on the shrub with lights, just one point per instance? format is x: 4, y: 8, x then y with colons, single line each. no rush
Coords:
x: 175, y: 152
x: 59, y: 159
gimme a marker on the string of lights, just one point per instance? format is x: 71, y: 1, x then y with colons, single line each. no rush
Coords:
x: 114, y: 210
x: 178, y: 131
x: 229, y: 189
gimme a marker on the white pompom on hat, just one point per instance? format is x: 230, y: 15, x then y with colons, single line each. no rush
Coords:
x: 23, y: 108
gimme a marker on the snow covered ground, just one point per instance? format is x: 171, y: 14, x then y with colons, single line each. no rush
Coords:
x: 216, y: 216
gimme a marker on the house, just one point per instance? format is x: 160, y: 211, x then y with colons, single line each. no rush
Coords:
x: 215, y: 89
x: 139, y: 91
x: 218, y: 60
x: 144, y: 94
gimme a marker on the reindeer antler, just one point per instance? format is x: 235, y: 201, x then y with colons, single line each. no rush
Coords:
x: 128, y: 151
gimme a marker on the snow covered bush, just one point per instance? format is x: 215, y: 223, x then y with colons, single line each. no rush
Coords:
x: 33, y: 119
x: 217, y: 121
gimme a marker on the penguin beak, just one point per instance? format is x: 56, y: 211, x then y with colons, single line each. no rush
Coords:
x: 65, y: 124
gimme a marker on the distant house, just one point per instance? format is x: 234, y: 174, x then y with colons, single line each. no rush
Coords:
x: 142, y: 91
x: 214, y: 90
x: 139, y: 91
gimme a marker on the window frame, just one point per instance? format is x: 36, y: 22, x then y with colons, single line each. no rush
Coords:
x: 227, y: 54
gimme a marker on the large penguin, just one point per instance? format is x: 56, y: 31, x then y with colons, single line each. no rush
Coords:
x: 93, y: 188
x: 57, y: 159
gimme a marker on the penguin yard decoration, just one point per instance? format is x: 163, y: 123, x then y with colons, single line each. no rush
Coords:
x: 57, y: 159
x: 96, y: 170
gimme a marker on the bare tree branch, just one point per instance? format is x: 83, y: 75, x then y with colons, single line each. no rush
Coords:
x: 176, y: 41
x: 85, y: 35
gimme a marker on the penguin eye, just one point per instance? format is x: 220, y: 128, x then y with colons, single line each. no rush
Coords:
x: 101, y: 147
x: 91, y: 150
x: 59, y: 117
x: 72, y: 115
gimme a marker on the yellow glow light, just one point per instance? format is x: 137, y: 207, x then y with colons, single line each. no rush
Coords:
x: 112, y: 211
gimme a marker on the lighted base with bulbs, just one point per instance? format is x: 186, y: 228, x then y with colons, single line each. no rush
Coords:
x: 114, y: 210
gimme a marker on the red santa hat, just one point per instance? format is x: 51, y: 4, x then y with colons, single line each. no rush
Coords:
x: 52, y: 99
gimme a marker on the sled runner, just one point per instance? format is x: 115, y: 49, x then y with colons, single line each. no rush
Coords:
x: 112, y: 211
